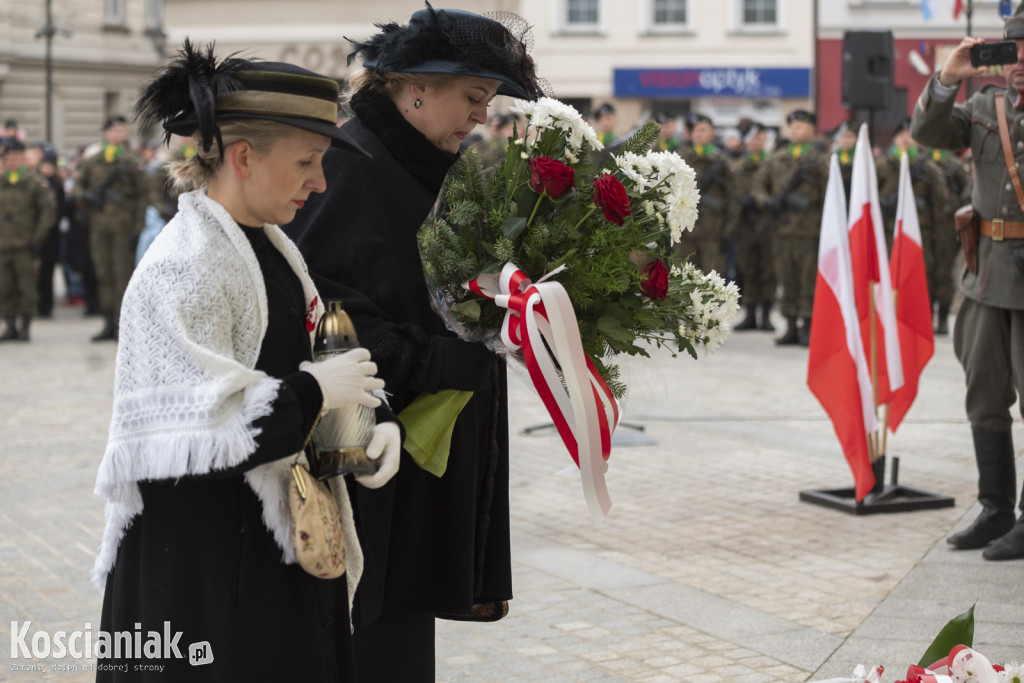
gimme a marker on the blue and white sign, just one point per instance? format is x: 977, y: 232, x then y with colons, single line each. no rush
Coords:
x: 713, y: 82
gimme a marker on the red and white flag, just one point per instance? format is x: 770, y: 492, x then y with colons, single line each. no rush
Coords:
x: 913, y: 307
x: 837, y: 370
x: 871, y: 281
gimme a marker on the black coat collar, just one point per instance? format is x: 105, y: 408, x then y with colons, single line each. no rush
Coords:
x: 428, y: 164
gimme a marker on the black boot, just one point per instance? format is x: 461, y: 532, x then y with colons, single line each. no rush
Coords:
x: 749, y: 322
x: 766, y: 316
x: 942, y: 323
x: 997, y: 490
x: 10, y: 329
x: 790, y: 336
x: 804, y: 333
x: 23, y: 328
x: 109, y: 331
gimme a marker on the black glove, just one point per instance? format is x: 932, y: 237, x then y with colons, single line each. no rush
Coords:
x: 748, y: 205
x: 92, y: 200
x: 775, y: 205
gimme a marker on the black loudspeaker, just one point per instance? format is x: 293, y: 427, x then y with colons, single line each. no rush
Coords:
x: 867, y: 69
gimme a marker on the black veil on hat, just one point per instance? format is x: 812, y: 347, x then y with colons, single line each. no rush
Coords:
x: 195, y: 91
x: 452, y: 41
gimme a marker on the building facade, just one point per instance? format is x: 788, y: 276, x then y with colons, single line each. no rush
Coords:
x: 919, y: 48
x: 100, y: 52
x: 727, y: 58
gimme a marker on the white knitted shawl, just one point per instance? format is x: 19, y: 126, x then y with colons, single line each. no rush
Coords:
x: 185, y: 391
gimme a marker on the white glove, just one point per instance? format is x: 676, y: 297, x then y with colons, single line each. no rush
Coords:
x: 346, y: 378
x: 386, y: 444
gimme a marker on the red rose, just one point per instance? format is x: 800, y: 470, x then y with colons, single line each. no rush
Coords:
x: 610, y: 195
x: 655, y: 285
x: 550, y: 176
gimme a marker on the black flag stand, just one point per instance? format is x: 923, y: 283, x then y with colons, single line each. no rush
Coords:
x: 883, y: 497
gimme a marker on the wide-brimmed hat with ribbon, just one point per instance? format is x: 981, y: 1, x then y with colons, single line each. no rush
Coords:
x: 196, y: 91
x: 459, y: 43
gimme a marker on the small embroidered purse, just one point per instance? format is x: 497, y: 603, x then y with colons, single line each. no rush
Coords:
x: 316, y: 525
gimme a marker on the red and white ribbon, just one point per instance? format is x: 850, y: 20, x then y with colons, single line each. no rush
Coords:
x: 540, y: 317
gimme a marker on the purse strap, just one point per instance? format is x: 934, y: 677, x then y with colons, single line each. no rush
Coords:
x: 1004, y: 137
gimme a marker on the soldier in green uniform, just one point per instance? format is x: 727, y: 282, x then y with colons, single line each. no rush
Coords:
x: 958, y: 186
x: 668, y: 135
x: 932, y: 199
x: 988, y: 336
x: 719, y: 206
x: 753, y: 237
x: 27, y: 210
x: 113, y: 192
x: 846, y: 143
x: 791, y: 187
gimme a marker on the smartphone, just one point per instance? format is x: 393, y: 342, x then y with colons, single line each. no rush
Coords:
x: 990, y: 54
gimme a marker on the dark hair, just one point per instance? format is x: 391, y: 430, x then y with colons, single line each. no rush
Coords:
x: 113, y: 121
x: 603, y: 110
x: 11, y: 123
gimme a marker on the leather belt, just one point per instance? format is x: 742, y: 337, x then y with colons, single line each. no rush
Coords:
x: 999, y: 229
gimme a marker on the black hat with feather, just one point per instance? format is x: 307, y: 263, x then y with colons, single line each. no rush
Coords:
x: 460, y: 43
x: 196, y: 91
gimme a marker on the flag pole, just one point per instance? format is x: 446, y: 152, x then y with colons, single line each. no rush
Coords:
x: 885, y: 410
x: 873, y: 352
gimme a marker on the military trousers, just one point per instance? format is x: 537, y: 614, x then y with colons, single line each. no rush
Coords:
x: 113, y: 257
x: 754, y: 259
x: 796, y: 269
x: 17, y: 282
x: 705, y: 253
x: 989, y: 343
x: 939, y: 259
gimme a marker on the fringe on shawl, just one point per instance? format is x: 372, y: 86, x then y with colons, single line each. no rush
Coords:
x: 125, y: 463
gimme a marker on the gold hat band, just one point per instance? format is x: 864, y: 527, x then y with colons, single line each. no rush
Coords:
x: 263, y: 102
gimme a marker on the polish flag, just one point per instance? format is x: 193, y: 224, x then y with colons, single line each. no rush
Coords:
x: 958, y: 6
x: 913, y: 307
x: 837, y: 370
x: 868, y: 254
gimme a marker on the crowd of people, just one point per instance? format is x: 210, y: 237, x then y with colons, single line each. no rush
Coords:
x: 88, y: 215
x: 274, y: 208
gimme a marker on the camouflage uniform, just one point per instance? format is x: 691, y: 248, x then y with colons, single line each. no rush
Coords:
x: 114, y: 227
x: 753, y: 245
x: 845, y: 158
x: 989, y: 333
x: 795, y: 230
x: 958, y: 185
x: 932, y: 199
x: 27, y: 210
x: 718, y: 211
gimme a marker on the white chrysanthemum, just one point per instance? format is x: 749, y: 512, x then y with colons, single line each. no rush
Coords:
x: 713, y: 304
x: 1012, y: 673
x: 550, y: 113
x: 676, y: 182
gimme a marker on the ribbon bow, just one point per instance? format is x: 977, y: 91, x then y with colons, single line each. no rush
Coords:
x: 540, y: 320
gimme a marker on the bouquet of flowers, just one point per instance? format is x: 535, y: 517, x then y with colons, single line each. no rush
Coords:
x: 553, y: 254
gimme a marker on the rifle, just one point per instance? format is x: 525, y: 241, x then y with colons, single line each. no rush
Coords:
x: 775, y: 207
x: 97, y: 199
x: 711, y: 176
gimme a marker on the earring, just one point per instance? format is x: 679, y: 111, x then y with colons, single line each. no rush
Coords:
x: 417, y: 103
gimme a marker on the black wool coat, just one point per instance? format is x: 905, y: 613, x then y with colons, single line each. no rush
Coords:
x: 431, y: 544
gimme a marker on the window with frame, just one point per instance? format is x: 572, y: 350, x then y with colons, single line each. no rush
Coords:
x: 669, y: 12
x: 115, y: 12
x: 582, y: 13
x: 760, y: 12
x: 154, y: 15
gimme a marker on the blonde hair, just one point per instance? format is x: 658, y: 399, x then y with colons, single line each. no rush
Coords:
x: 196, y: 172
x: 388, y: 82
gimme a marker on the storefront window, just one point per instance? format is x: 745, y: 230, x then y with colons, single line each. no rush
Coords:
x: 760, y: 12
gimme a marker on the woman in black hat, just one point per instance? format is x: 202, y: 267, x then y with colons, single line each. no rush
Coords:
x: 434, y: 546
x: 215, y: 396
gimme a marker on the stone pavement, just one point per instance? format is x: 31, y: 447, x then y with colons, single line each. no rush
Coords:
x: 709, y: 568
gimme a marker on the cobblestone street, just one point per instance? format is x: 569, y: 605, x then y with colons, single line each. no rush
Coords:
x: 708, y: 569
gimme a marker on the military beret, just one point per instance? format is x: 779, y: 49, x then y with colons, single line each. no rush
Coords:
x: 693, y: 119
x: 801, y: 115
x: 902, y: 126
x: 114, y: 120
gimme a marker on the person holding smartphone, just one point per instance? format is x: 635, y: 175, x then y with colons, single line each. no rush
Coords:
x: 988, y: 335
